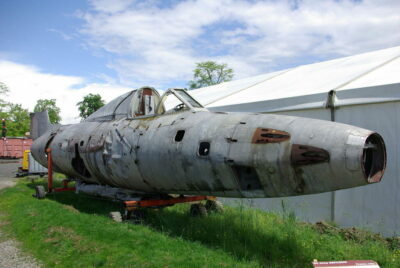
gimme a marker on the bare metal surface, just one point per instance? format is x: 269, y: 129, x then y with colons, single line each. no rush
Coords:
x: 107, y: 191
x: 40, y: 123
x: 185, y: 149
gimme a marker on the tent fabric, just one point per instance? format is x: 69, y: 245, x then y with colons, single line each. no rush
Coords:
x: 364, y: 70
x: 208, y: 95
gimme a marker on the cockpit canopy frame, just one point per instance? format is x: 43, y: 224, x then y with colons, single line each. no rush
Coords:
x: 145, y: 102
x: 187, y: 102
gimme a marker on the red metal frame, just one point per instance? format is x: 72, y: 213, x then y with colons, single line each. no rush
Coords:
x: 50, y: 176
x: 132, y: 205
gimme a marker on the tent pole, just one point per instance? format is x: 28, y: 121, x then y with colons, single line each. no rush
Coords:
x: 330, y: 104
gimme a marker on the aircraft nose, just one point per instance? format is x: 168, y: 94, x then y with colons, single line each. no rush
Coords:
x: 330, y: 157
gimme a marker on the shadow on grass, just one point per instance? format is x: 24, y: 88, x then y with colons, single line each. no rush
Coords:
x: 241, y: 232
x: 81, y: 202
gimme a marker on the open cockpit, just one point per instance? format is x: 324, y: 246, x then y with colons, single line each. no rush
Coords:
x: 146, y: 102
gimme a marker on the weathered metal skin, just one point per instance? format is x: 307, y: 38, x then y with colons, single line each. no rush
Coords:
x: 198, y: 152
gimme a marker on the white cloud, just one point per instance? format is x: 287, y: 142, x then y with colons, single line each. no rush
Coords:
x: 27, y: 84
x: 111, y: 6
x: 155, y: 43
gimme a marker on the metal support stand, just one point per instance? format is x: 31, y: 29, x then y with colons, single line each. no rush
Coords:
x: 132, y: 205
x: 133, y: 210
x: 50, y: 187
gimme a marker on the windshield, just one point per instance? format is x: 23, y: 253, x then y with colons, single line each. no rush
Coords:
x: 175, y: 100
x: 185, y: 96
x: 173, y: 104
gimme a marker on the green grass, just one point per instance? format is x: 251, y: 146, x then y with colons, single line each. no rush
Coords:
x: 69, y: 230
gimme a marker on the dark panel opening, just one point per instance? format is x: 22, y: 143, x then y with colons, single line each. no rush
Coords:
x: 266, y: 135
x: 78, y: 164
x: 308, y: 155
x: 179, y: 135
x: 49, y: 142
x: 374, y: 158
x: 247, y: 178
x: 204, y: 148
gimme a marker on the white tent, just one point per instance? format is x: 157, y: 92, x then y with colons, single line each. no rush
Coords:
x: 361, y: 90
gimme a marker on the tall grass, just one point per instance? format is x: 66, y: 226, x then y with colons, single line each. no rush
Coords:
x: 269, y: 239
x: 72, y: 230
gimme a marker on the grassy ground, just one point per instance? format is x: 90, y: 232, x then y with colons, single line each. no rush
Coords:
x: 69, y: 230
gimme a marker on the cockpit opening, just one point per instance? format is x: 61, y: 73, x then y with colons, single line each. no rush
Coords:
x: 145, y: 101
x: 175, y: 100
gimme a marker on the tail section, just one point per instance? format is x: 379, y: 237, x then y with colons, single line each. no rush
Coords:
x: 40, y: 123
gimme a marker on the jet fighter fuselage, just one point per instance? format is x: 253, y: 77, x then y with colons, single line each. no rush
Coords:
x: 172, y: 145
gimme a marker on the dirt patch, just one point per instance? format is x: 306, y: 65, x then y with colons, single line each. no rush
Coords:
x: 7, y: 183
x: 60, y: 234
x: 357, y: 235
x: 8, y: 169
x: 71, y: 208
x: 4, y: 223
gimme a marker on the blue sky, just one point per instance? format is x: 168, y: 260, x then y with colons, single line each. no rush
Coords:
x: 45, y: 33
x: 65, y: 49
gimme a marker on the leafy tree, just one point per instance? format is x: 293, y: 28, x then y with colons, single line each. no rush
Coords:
x: 3, y: 104
x: 89, y: 105
x: 3, y: 91
x: 17, y: 119
x: 52, y: 108
x: 3, y: 126
x: 210, y: 73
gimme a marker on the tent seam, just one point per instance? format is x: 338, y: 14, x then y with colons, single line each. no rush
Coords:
x: 240, y: 90
x: 366, y: 73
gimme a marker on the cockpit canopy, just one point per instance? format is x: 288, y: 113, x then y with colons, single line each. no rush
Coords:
x: 145, y: 101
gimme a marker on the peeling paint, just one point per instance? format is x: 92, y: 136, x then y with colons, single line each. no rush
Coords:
x: 189, y: 150
x: 265, y: 135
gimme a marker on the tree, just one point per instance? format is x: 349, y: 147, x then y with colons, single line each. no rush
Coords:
x: 210, y: 73
x: 89, y: 105
x: 3, y: 91
x: 13, y: 116
x: 17, y: 120
x: 52, y: 108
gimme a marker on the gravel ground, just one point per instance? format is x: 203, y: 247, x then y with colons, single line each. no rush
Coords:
x: 10, y: 255
x: 8, y: 168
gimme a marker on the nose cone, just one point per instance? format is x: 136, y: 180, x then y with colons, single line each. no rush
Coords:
x: 374, y: 158
x: 330, y: 156
x: 367, y: 154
